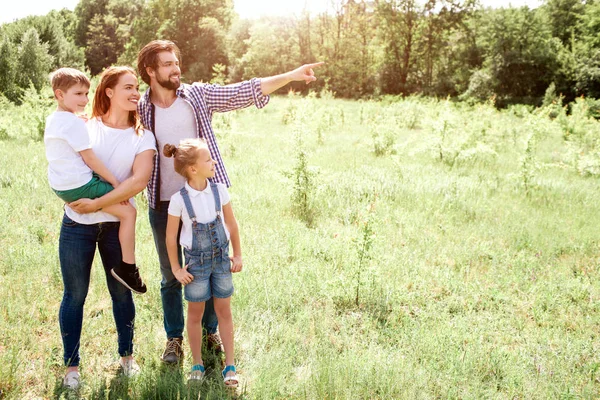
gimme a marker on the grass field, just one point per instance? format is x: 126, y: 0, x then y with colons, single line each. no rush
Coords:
x: 413, y: 249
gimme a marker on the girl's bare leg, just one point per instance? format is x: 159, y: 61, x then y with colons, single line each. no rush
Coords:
x: 194, y: 330
x: 223, y: 311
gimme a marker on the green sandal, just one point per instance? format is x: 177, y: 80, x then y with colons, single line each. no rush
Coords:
x: 230, y: 381
x: 197, y: 372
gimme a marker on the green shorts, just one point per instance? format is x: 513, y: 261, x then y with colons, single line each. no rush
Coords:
x: 95, y: 188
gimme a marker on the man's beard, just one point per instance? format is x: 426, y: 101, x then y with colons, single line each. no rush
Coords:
x: 167, y: 83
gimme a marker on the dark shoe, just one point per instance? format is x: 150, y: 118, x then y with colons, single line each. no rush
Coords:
x: 130, y: 278
x: 173, y: 353
x: 214, y: 343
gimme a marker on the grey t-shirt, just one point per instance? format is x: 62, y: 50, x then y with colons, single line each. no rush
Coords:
x: 171, y: 125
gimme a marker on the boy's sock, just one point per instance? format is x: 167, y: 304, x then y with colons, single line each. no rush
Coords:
x: 127, y: 267
x: 129, y: 275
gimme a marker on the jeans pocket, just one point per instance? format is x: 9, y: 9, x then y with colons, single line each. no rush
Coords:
x: 226, y: 264
x: 196, y: 267
x: 68, y: 221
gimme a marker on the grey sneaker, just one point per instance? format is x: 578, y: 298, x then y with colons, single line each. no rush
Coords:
x: 129, y: 366
x: 173, y: 353
x: 72, y: 380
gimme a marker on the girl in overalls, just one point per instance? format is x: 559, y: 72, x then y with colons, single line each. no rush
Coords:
x: 208, y: 225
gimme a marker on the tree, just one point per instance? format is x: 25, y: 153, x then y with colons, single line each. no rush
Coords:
x: 51, y: 30
x: 563, y: 18
x: 519, y: 52
x: 198, y: 27
x: 8, y: 67
x: 103, y: 28
x: 33, y: 61
x: 399, y: 23
x: 279, y: 37
x: 85, y: 11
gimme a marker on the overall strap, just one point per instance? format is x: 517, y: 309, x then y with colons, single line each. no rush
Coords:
x: 188, y: 204
x: 215, y: 191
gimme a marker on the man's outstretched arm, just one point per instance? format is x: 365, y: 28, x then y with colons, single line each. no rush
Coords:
x: 303, y: 73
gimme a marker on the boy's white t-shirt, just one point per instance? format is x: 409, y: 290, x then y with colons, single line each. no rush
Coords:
x: 117, y: 149
x: 64, y: 137
x: 203, y: 203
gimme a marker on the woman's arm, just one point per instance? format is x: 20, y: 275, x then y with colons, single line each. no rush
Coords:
x: 181, y: 274
x: 142, y: 169
x: 92, y: 161
x: 234, y: 236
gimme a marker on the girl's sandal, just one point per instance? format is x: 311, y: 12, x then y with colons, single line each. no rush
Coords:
x: 232, y: 380
x: 197, y: 372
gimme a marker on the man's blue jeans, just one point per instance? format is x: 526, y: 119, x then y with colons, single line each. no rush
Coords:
x: 170, y: 288
x: 76, y: 249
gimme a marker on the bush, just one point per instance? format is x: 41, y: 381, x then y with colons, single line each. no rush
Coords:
x: 481, y: 87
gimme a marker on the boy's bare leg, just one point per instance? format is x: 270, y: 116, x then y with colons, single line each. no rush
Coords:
x: 127, y: 215
x: 194, y: 330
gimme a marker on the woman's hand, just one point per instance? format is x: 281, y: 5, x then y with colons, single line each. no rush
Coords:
x: 183, y: 276
x: 84, y: 206
x: 236, y: 264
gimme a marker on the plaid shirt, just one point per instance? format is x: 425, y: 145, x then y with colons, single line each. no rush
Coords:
x: 205, y: 99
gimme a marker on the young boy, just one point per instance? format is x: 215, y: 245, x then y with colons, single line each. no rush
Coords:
x: 74, y: 171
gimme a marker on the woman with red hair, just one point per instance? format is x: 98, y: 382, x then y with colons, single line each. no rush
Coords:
x: 121, y: 143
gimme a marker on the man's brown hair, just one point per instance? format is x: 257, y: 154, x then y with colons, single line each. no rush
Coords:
x: 148, y: 56
x: 64, y: 78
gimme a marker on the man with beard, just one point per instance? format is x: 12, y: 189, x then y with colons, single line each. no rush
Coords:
x: 175, y: 111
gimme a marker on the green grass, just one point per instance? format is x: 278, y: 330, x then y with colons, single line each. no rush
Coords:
x: 470, y: 286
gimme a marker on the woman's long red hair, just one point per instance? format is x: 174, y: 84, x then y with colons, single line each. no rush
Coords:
x: 109, y: 79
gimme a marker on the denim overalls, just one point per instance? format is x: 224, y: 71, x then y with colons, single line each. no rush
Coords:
x: 208, y: 259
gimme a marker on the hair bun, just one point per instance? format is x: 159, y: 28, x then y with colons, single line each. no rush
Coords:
x: 169, y: 150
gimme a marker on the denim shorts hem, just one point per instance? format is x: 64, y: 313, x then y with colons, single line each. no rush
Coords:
x: 223, y: 297
x: 190, y: 300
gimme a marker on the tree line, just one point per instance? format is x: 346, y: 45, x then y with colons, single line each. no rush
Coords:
x: 437, y: 47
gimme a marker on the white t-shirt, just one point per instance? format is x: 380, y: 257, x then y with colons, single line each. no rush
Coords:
x: 117, y: 149
x: 203, y: 203
x: 171, y: 125
x: 64, y: 137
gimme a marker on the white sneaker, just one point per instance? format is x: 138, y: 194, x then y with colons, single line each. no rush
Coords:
x: 72, y: 380
x: 129, y: 366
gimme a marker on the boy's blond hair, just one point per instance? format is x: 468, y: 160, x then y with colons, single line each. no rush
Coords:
x: 64, y: 78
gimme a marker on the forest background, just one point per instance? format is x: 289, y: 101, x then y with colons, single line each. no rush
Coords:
x: 371, y: 48
x: 420, y: 236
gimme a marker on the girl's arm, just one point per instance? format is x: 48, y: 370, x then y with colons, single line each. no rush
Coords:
x: 92, y: 161
x: 234, y: 236
x: 142, y: 169
x: 181, y: 274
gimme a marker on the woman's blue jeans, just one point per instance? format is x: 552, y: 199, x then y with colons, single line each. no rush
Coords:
x: 170, y: 288
x: 76, y: 249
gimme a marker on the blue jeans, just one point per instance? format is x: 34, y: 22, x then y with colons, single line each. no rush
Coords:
x: 76, y: 249
x: 170, y: 288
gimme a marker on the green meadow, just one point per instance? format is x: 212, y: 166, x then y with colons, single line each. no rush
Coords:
x: 395, y: 249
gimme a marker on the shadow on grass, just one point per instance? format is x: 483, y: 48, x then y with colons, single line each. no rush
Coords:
x: 155, y: 381
x: 160, y: 381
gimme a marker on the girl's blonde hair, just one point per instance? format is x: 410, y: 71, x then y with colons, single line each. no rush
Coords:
x: 185, y: 154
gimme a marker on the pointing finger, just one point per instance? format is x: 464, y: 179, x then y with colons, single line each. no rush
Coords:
x: 317, y: 64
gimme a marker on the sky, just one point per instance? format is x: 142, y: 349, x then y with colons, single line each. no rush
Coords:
x: 12, y: 9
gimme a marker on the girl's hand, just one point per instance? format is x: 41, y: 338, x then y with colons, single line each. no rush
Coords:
x: 84, y: 206
x: 236, y: 264
x: 183, y: 276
